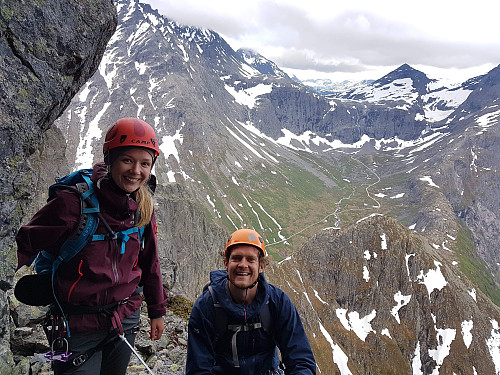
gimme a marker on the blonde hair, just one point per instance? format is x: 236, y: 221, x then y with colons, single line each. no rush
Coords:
x: 144, y: 198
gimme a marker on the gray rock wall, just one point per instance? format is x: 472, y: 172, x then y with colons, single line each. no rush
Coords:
x: 188, y: 242
x: 47, y: 51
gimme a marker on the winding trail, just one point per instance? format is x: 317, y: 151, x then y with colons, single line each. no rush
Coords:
x: 338, y: 209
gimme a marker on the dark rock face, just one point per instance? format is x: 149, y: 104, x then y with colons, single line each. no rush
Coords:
x: 298, y: 110
x: 47, y: 51
x: 188, y: 243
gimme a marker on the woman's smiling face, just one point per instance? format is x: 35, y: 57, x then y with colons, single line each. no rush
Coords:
x: 131, y: 169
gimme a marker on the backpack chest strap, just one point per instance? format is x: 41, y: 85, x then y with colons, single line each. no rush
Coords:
x: 244, y: 327
x: 123, y: 236
x: 236, y: 328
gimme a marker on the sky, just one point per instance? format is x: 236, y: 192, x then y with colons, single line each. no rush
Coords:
x: 354, y: 39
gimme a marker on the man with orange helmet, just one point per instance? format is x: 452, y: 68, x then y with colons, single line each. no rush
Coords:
x: 98, y: 288
x: 240, y: 320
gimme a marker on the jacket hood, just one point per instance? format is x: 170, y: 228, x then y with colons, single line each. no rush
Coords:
x: 99, y: 171
x: 219, y: 282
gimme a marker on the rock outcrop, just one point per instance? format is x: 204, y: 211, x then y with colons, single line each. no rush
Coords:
x: 47, y: 51
x: 382, y: 300
x: 187, y: 240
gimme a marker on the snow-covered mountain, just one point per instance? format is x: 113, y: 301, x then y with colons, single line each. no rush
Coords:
x: 259, y: 62
x: 382, y: 198
x: 407, y: 87
x: 326, y: 86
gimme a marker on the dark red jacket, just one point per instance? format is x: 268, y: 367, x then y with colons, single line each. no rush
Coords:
x: 98, y: 275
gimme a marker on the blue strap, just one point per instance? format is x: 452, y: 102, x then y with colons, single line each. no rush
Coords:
x: 90, y: 210
x: 90, y: 184
x: 123, y: 236
x: 73, y: 246
x: 55, y: 265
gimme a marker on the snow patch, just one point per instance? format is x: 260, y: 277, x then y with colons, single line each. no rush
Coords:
x: 384, y: 241
x: 467, y: 326
x: 445, y: 337
x: 416, y: 362
x: 366, y: 274
x: 401, y: 301
x: 352, y: 321
x: 472, y: 293
x: 316, y: 294
x: 84, y: 154
x: 248, y: 97
x: 487, y: 120
x: 433, y: 279
x: 428, y: 179
x: 339, y: 357
x: 493, y: 344
x: 385, y: 332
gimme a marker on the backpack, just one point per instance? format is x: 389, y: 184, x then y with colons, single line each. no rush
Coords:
x: 222, y: 326
x: 37, y: 289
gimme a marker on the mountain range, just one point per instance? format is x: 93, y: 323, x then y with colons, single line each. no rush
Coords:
x: 379, y: 202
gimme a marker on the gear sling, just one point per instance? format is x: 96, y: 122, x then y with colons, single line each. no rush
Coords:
x: 56, y: 325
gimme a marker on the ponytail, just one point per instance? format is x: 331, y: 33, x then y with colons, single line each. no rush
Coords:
x: 144, y: 198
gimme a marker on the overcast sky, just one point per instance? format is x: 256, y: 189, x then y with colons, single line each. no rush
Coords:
x: 352, y: 39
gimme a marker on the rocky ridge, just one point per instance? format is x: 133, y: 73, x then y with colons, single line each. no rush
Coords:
x: 392, y: 303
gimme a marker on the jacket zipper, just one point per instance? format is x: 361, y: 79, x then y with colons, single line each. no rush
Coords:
x: 114, y: 264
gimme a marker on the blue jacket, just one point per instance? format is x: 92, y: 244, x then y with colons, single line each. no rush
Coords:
x: 256, y: 349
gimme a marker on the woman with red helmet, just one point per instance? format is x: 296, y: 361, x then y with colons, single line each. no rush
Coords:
x: 100, y: 288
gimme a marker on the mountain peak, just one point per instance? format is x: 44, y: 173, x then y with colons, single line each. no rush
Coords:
x: 260, y: 63
x: 405, y: 71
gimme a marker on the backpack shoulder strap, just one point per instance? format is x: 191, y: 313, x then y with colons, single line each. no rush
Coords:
x: 222, y: 326
x: 87, y: 224
x: 221, y: 320
x: 266, y: 318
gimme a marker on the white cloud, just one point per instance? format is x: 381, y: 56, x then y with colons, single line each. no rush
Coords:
x: 348, y: 38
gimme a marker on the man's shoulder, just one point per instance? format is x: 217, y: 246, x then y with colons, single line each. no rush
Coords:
x: 277, y: 296
x: 275, y: 289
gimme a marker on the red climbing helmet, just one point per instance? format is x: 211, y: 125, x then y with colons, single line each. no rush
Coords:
x: 247, y: 237
x: 131, y: 132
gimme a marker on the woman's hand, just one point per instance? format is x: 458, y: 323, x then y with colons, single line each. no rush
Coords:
x: 157, y: 327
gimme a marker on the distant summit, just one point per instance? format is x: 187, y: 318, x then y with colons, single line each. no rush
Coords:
x: 259, y: 62
x: 419, y: 80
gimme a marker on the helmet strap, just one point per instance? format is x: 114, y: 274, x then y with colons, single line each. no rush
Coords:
x: 254, y: 283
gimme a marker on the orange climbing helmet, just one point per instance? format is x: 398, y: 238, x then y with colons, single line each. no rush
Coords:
x: 131, y: 132
x: 247, y: 237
